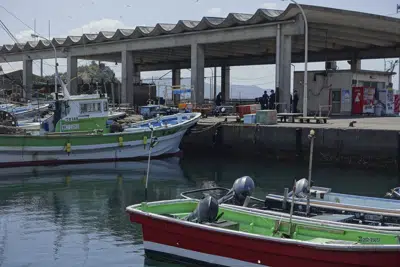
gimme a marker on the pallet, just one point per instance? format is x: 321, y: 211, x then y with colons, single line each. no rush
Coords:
x: 317, y: 119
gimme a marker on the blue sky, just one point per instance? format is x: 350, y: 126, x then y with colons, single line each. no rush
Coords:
x: 73, y: 17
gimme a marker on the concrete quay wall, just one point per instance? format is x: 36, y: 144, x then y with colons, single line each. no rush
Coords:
x: 365, y: 147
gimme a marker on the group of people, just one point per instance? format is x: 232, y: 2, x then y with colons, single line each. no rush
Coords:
x: 268, y: 101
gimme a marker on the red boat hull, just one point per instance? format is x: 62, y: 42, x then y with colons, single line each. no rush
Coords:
x: 223, y: 249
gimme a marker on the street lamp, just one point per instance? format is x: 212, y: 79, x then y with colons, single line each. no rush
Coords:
x: 55, y: 59
x: 305, y: 93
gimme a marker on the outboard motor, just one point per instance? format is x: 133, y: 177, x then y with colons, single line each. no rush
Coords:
x: 205, y: 212
x: 242, y: 188
x: 301, y: 188
x: 394, y: 193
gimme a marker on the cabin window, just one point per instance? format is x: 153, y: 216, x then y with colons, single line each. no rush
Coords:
x: 105, y: 106
x: 90, y: 107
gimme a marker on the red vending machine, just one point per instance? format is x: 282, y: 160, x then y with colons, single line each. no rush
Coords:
x: 396, y: 104
x: 357, y: 102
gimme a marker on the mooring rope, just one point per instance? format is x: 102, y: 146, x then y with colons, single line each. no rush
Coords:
x: 218, y: 124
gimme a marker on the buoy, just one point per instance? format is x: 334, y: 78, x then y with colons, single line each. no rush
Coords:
x: 68, y: 148
x: 121, y: 141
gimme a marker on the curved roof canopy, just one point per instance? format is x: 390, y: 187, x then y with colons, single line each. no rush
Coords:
x: 340, y: 31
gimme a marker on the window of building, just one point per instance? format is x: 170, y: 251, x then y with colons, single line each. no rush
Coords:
x: 105, y: 106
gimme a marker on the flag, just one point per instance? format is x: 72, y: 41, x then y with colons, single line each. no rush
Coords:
x: 398, y: 8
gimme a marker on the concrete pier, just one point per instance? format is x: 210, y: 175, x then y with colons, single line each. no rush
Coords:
x: 372, y: 143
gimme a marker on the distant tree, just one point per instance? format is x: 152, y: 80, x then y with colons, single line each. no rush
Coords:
x: 91, y: 73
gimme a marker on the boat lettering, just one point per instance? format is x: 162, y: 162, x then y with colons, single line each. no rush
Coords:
x: 69, y: 127
x: 368, y: 239
x: 71, y: 119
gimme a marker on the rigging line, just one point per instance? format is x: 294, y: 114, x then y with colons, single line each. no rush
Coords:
x: 8, y: 32
x: 18, y: 18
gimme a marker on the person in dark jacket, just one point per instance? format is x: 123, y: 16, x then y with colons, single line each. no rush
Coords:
x: 264, y: 100
x: 272, y: 100
x: 295, y: 101
x: 218, y: 100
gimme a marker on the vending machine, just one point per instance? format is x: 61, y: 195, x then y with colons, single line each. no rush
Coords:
x: 357, y: 100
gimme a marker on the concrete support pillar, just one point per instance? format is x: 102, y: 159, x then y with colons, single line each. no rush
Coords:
x: 176, y: 80
x: 127, y: 70
x: 226, y: 83
x: 27, y: 74
x: 72, y: 75
x: 136, y: 75
x: 197, y: 72
x: 285, y: 72
x: 355, y: 65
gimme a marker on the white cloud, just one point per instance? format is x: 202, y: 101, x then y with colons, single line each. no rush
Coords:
x: 215, y: 11
x: 99, y: 25
x: 270, y: 5
x: 24, y: 36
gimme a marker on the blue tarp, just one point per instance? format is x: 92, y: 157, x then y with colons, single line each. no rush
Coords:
x: 181, y: 91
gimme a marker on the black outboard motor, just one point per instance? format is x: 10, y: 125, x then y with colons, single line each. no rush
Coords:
x: 301, y: 188
x: 394, y: 193
x: 206, y: 211
x: 242, y: 188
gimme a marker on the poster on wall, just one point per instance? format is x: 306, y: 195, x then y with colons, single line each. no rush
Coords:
x: 389, y: 101
x: 345, y: 101
x: 368, y: 103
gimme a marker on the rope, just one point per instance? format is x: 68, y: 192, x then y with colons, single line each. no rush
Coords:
x: 218, y: 124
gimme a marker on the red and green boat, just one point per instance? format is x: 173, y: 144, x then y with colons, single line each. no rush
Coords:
x: 229, y: 236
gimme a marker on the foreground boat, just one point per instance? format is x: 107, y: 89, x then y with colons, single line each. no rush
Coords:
x: 378, y: 218
x: 379, y: 211
x: 227, y: 236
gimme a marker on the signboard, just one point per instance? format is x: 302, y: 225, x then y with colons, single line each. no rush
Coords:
x: 368, y: 101
x: 70, y: 127
x: 345, y: 101
x: 389, y: 101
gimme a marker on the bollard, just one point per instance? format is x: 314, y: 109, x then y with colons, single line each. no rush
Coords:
x: 299, y: 143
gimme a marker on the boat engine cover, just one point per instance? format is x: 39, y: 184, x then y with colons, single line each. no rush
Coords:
x: 206, y: 211
x: 243, y: 187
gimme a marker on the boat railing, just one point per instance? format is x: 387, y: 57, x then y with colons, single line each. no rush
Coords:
x: 186, y: 194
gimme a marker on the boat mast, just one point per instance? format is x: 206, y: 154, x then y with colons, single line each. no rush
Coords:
x: 311, y: 136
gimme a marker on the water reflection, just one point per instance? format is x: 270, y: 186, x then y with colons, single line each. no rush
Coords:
x: 73, y: 215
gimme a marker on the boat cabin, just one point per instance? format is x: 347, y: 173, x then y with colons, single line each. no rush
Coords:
x: 78, y: 113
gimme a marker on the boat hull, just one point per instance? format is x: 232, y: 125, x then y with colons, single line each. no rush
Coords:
x: 218, y: 248
x: 132, y: 144
x: 167, y: 146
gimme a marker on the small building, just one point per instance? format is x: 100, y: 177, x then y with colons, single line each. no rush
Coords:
x: 330, y: 90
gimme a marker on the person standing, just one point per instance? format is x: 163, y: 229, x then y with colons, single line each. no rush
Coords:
x: 272, y: 100
x: 264, y: 101
x: 295, y: 101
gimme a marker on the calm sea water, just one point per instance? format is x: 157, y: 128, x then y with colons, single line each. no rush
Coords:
x: 74, y: 215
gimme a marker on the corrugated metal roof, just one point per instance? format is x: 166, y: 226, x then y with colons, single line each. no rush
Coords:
x: 314, y: 14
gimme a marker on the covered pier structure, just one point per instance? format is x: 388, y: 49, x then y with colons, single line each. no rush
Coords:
x: 265, y: 37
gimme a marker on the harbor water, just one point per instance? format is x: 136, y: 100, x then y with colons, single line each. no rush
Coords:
x: 74, y: 215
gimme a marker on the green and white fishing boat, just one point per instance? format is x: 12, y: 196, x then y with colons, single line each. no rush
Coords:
x: 78, y: 132
x: 210, y: 234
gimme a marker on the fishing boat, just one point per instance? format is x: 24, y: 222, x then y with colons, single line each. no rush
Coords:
x: 210, y: 234
x: 240, y: 195
x: 24, y: 111
x: 78, y: 132
x: 322, y: 204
